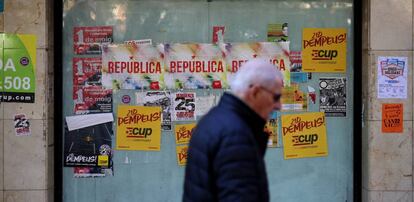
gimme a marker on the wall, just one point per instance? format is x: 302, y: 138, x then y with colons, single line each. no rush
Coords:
x: 25, y: 162
x: 387, y: 158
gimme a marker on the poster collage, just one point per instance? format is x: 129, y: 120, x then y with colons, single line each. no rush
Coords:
x: 166, y: 78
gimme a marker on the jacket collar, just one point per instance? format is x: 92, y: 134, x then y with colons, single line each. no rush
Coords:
x: 255, y: 122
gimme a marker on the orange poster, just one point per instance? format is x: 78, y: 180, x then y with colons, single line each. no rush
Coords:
x: 392, y: 118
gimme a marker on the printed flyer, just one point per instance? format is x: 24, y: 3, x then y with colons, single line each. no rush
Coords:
x: 204, y: 104
x: 17, y: 68
x: 89, y: 40
x: 324, y: 49
x: 184, y: 106
x: 87, y: 71
x: 218, y: 34
x: 304, y: 135
x: 392, y: 118
x: 132, y: 66
x: 271, y: 128
x: 183, y: 133
x: 194, y: 66
x: 182, y: 151
x: 332, y: 96
x: 277, y: 32
x: 138, y: 128
x: 238, y: 53
x: 88, y: 141
x: 392, y: 77
x: 294, y: 99
x: 162, y: 99
x: 21, y: 125
x: 92, y: 99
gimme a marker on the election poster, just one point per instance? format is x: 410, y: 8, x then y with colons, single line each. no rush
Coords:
x: 184, y: 106
x: 271, y: 128
x: 182, y: 151
x: 332, y: 96
x: 161, y: 99
x: 392, y: 77
x: 183, y: 133
x: 88, y: 141
x: 324, y: 49
x: 131, y: 66
x: 17, y: 68
x: 89, y: 40
x: 138, y: 128
x: 277, y: 32
x: 392, y: 118
x: 304, y: 135
x: 277, y: 53
x: 92, y: 99
x: 294, y: 99
x: 87, y: 71
x: 194, y: 66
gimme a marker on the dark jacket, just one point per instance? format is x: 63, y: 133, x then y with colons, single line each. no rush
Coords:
x: 225, y: 157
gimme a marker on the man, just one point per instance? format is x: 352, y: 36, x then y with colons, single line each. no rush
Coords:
x: 225, y: 156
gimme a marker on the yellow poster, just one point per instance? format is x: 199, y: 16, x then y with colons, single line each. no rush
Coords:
x: 324, y: 49
x: 138, y: 128
x: 182, y: 154
x: 304, y: 135
x: 271, y: 128
x: 183, y: 133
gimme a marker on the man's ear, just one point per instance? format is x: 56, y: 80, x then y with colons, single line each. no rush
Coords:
x: 254, y: 90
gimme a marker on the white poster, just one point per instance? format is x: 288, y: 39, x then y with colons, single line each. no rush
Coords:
x: 158, y: 98
x: 184, y: 106
x: 204, y: 104
x: 392, y: 77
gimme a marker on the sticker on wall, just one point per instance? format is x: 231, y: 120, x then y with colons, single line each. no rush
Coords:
x: 133, y: 67
x: 182, y: 151
x: 21, y: 125
x: 392, y: 118
x: 183, y: 133
x: 184, y: 106
x: 88, y: 140
x: 138, y: 128
x: 204, y: 104
x: 304, y: 135
x: 238, y: 53
x: 163, y: 100
x: 277, y: 32
x: 89, y: 40
x: 139, y: 42
x: 271, y: 128
x: 17, y: 68
x: 295, y: 58
x: 218, y: 34
x: 91, y: 172
x: 392, y: 77
x: 324, y: 49
x: 332, y: 96
x: 194, y: 66
x: 294, y: 99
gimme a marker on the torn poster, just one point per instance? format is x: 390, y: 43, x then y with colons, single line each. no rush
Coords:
x: 21, y: 125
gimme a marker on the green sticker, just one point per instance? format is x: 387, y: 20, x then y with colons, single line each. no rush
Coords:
x: 18, y: 68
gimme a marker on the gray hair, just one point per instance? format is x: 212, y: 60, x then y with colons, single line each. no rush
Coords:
x: 255, y: 71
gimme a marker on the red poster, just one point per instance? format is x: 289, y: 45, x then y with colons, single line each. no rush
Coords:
x: 218, y: 33
x: 92, y: 99
x: 87, y: 71
x: 88, y: 40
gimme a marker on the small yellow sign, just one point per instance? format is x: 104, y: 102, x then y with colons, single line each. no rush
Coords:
x: 183, y: 133
x: 182, y: 151
x: 103, y: 160
x: 324, y: 49
x: 304, y: 135
x: 138, y: 128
